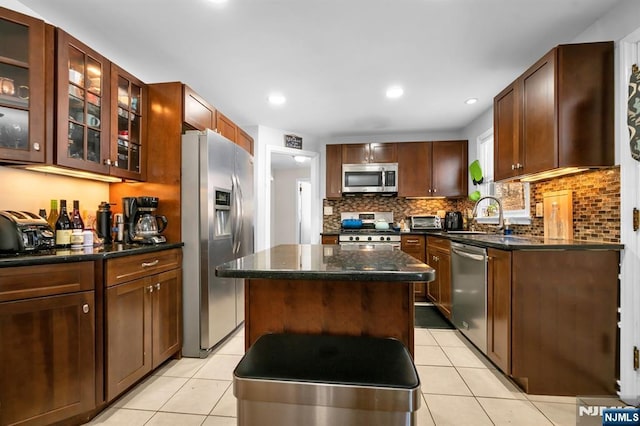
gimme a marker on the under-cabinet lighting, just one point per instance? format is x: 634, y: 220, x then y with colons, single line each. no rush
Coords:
x: 72, y: 173
x: 552, y: 174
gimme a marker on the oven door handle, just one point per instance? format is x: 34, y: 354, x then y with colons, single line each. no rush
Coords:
x: 477, y: 257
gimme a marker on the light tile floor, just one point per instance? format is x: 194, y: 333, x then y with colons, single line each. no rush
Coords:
x: 459, y: 386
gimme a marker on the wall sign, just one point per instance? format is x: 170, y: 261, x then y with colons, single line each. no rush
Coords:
x: 293, y: 141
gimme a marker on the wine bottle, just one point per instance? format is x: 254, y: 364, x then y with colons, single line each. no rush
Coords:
x: 63, y: 227
x: 76, y: 218
x: 53, y: 214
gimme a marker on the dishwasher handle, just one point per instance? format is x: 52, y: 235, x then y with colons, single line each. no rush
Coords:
x: 478, y: 257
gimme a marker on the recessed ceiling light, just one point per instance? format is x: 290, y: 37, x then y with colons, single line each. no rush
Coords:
x: 471, y: 101
x: 277, y: 99
x: 394, y: 92
x: 300, y: 158
x: 217, y: 1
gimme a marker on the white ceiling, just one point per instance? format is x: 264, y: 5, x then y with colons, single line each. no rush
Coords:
x: 332, y: 59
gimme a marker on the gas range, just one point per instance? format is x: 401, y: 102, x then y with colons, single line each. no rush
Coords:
x: 368, y: 237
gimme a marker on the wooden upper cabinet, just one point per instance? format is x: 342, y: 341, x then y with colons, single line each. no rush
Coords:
x: 506, y: 135
x: 334, y: 171
x: 432, y: 169
x: 414, y: 169
x: 383, y: 153
x: 245, y: 141
x: 369, y: 153
x: 83, y: 106
x: 559, y: 113
x: 449, y: 169
x: 539, y: 117
x: 22, y: 91
x: 226, y: 127
x: 128, y: 124
x: 198, y: 113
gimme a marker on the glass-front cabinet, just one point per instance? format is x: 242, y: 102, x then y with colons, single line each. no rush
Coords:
x: 22, y: 88
x: 128, y: 94
x: 83, y: 106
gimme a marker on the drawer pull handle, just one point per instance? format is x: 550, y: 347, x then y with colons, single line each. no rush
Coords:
x: 158, y: 286
x: 413, y: 241
x: 150, y: 264
x: 85, y: 308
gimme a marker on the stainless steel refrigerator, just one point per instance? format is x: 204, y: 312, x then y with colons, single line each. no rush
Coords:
x: 217, y: 226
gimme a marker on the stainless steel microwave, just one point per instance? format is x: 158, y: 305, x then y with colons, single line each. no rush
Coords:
x: 370, y: 178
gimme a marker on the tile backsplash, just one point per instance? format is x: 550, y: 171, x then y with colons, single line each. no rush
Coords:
x: 596, y: 205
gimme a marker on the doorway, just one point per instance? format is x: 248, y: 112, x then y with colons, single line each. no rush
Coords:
x: 304, y: 211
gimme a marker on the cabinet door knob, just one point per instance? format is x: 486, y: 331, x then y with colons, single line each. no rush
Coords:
x: 150, y: 264
x: 519, y: 166
x: 157, y: 286
x: 36, y: 146
x: 435, y: 190
x: 85, y: 308
x: 429, y: 190
x: 150, y: 289
x: 513, y: 167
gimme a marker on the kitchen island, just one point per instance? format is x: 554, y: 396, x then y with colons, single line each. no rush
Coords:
x: 316, y: 289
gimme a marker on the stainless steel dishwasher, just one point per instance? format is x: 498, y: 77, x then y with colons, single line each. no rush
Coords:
x: 469, y: 292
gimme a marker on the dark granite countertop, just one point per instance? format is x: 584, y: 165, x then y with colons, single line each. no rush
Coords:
x: 87, y: 253
x: 519, y: 242
x: 327, y: 262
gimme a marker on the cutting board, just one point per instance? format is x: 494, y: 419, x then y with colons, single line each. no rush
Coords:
x: 558, y: 215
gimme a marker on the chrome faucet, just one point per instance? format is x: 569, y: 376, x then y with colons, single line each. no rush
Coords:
x: 500, y: 212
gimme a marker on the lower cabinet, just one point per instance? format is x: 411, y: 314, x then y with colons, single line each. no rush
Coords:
x: 439, y: 258
x: 552, y: 319
x: 143, y: 325
x: 499, y: 308
x: 47, y: 343
x: 415, y: 245
x: 330, y: 239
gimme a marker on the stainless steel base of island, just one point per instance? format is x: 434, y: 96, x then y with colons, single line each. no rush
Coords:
x: 295, y: 379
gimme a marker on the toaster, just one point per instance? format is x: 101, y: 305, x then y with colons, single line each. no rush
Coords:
x: 429, y: 222
x: 24, y: 232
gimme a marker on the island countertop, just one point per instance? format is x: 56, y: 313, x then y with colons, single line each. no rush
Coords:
x: 328, y: 262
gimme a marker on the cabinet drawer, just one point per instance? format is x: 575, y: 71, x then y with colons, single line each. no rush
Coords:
x: 123, y: 269
x: 22, y: 282
x: 441, y: 243
x: 410, y: 242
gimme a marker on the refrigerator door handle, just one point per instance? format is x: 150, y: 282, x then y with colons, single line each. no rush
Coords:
x: 241, y: 216
x: 237, y: 214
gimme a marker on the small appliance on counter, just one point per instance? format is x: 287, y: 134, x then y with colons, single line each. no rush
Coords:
x: 453, y: 221
x: 368, y: 230
x: 24, y: 232
x: 142, y: 224
x: 426, y: 223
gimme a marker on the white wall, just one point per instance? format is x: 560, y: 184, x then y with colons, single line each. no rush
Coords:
x: 267, y: 140
x: 284, y: 201
x: 473, y: 130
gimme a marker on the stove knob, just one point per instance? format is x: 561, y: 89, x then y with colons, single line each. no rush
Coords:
x: 388, y: 238
x: 357, y: 238
x: 350, y: 238
x: 369, y: 238
x: 381, y: 238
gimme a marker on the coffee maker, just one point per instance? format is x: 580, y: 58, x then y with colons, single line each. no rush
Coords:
x: 142, y: 225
